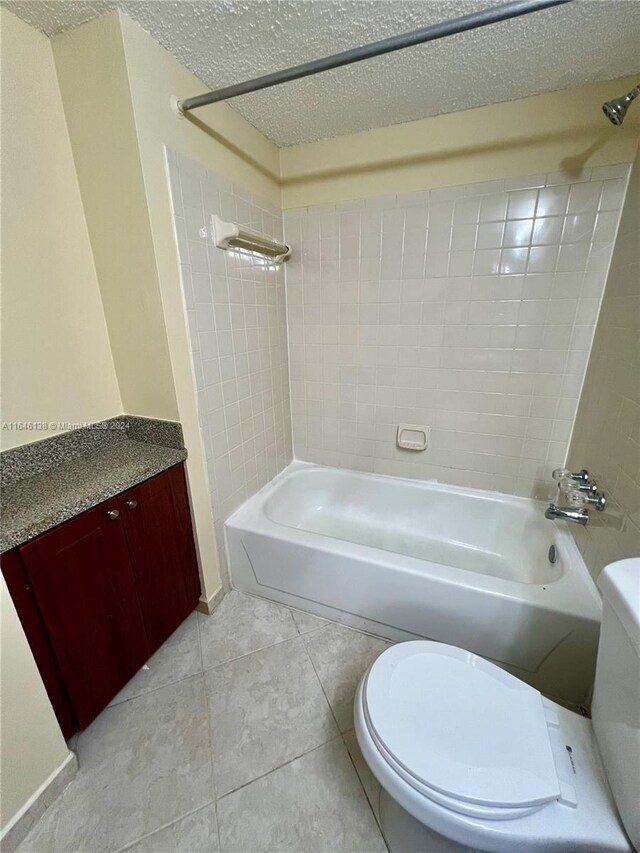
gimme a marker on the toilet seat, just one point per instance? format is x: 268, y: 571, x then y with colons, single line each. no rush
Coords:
x: 460, y: 730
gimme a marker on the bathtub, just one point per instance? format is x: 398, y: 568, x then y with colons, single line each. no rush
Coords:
x: 407, y: 559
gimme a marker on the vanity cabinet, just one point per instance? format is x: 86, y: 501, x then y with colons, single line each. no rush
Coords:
x: 106, y: 588
x: 84, y: 586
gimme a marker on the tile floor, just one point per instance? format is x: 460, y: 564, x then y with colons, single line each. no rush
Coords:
x: 236, y: 738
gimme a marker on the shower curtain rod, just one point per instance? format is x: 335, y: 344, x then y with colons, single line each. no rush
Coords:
x: 377, y: 48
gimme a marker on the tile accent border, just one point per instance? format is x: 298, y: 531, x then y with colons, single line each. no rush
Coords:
x: 21, y: 825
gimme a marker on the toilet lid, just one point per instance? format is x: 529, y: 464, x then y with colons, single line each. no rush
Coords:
x: 461, y: 725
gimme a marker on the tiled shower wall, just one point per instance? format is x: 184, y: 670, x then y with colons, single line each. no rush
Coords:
x: 470, y: 310
x: 237, y: 323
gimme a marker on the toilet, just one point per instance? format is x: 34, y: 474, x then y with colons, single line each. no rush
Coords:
x: 470, y: 758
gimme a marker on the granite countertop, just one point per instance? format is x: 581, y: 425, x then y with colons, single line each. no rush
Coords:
x: 41, y: 500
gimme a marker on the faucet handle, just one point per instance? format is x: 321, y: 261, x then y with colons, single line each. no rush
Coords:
x: 581, y: 476
x: 564, y: 475
x: 588, y: 486
x: 577, y: 498
x: 597, y: 500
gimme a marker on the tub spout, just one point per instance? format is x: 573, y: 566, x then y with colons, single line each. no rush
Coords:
x: 578, y: 516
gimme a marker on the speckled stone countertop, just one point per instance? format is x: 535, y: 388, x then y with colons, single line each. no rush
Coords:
x: 51, y: 481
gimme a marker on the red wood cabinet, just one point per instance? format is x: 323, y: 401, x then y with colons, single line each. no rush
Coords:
x: 81, y: 576
x: 34, y: 629
x: 106, y: 589
x: 157, y: 524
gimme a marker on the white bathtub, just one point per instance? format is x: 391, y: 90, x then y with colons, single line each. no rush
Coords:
x: 406, y: 559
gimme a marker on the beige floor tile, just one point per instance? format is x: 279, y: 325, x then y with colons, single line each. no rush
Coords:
x: 266, y: 708
x: 306, y: 622
x: 143, y: 763
x: 242, y: 624
x: 196, y: 833
x: 341, y: 656
x: 178, y: 658
x: 314, y: 804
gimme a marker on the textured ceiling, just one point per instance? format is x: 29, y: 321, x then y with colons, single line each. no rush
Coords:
x: 227, y: 41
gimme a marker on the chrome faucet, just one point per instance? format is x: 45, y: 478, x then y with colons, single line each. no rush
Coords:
x: 568, y: 513
x: 581, y: 491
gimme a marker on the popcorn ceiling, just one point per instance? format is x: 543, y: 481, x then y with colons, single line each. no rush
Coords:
x: 228, y: 41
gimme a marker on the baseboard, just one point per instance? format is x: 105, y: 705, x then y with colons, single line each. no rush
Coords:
x: 23, y: 822
x: 208, y: 605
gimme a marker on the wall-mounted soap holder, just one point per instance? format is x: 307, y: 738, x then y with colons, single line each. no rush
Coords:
x: 412, y: 437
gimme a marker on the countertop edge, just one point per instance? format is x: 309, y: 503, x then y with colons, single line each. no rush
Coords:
x: 16, y: 538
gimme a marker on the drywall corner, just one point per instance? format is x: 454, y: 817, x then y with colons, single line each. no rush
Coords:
x: 95, y: 91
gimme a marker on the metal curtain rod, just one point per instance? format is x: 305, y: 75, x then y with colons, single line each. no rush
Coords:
x: 436, y: 31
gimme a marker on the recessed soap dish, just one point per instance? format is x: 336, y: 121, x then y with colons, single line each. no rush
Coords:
x: 412, y: 437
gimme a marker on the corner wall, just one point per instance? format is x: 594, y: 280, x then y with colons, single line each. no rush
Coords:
x: 223, y: 142
x: 56, y: 358
x: 606, y: 436
x: 57, y: 366
x: 31, y: 745
x: 95, y: 91
x: 117, y: 83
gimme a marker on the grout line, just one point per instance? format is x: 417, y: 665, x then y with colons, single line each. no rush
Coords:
x: 327, y: 620
x: 135, y: 841
x: 198, y: 620
x: 366, y: 796
x: 145, y: 693
x: 254, y: 652
x: 215, y: 808
x: 211, y: 737
x: 324, y: 692
x: 280, y: 766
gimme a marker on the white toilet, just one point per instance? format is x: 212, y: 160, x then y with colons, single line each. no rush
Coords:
x: 471, y: 758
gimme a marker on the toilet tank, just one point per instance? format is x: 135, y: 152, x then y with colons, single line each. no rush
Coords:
x: 616, y: 697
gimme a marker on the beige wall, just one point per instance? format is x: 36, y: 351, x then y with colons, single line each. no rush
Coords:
x: 235, y: 150
x: 31, y: 743
x: 56, y: 360
x: 117, y: 84
x: 606, y: 438
x: 95, y: 91
x: 556, y: 132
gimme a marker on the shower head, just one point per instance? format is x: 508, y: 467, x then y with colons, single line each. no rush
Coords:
x: 616, y: 109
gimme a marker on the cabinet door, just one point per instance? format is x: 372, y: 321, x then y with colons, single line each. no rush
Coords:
x: 35, y: 632
x: 81, y: 576
x: 158, y: 526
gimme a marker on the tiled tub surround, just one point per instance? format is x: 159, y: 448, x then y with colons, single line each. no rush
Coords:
x: 238, y: 333
x: 469, y: 309
x: 50, y: 481
x: 606, y: 437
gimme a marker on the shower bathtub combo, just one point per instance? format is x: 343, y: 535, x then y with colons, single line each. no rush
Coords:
x: 409, y: 559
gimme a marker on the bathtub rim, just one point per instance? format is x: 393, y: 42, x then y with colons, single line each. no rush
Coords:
x: 251, y: 515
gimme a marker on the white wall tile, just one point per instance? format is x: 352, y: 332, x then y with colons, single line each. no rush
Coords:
x: 470, y: 309
x: 237, y: 320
